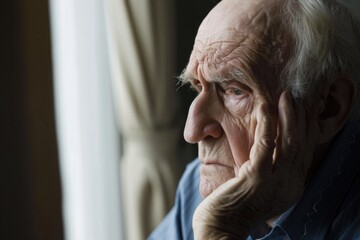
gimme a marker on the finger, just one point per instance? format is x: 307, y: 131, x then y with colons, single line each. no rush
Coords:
x: 288, y: 134
x: 264, y: 141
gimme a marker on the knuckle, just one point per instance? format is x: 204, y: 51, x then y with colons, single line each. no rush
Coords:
x: 266, y: 145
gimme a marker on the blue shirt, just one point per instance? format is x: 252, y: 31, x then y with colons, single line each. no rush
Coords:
x: 328, y: 209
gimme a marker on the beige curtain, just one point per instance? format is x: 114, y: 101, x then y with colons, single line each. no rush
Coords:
x: 140, y: 39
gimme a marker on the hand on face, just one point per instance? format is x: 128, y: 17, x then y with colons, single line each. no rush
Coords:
x: 270, y: 182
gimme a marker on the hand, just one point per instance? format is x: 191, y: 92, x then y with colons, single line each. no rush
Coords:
x: 270, y: 182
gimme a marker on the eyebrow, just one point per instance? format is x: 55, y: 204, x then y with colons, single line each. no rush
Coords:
x: 184, y: 78
x: 228, y: 75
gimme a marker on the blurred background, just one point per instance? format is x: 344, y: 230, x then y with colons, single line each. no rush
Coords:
x: 92, y: 118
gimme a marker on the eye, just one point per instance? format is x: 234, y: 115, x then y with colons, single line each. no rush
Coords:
x: 233, y: 91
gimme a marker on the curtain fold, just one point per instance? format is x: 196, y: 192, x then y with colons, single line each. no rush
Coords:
x: 141, y: 56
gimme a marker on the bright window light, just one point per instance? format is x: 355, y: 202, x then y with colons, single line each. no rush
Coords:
x: 86, y: 129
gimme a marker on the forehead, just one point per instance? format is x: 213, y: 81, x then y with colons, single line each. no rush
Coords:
x: 239, y: 15
x: 238, y: 35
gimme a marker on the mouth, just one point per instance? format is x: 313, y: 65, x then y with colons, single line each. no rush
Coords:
x: 213, y: 162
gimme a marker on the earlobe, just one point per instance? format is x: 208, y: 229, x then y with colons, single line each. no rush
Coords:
x: 335, y: 106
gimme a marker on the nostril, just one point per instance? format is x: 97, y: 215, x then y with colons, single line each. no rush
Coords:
x: 193, y: 133
x: 213, y: 129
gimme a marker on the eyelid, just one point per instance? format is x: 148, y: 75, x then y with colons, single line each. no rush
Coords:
x: 235, y: 84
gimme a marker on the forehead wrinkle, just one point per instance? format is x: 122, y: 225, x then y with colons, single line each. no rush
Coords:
x: 220, y: 63
x: 252, y: 43
x: 215, y: 54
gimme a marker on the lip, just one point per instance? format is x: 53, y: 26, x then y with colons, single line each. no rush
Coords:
x: 213, y: 162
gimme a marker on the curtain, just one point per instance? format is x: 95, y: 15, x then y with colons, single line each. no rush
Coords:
x: 85, y: 121
x: 141, y: 53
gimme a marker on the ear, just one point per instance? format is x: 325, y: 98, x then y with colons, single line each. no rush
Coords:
x: 335, y: 106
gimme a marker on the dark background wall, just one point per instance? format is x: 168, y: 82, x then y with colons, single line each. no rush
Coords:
x: 30, y: 188
x: 189, y: 14
x: 29, y: 174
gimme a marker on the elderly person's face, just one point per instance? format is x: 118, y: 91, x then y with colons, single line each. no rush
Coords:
x: 235, y: 66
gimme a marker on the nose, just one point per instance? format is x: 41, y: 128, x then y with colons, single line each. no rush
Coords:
x: 203, y: 121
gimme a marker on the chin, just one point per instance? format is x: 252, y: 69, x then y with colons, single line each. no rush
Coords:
x: 207, y: 187
x: 211, y: 177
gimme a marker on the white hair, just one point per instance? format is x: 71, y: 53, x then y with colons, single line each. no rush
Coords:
x: 327, y: 43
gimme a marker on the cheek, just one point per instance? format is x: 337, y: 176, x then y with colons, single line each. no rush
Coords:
x: 239, y: 125
x: 239, y: 107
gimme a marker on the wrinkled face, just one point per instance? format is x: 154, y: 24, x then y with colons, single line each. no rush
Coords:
x: 236, y: 62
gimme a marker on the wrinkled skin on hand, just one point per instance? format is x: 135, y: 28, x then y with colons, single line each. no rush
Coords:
x: 270, y: 182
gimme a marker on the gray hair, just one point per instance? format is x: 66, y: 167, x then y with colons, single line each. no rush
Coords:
x: 327, y: 43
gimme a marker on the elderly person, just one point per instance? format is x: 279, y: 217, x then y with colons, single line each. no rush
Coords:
x: 274, y: 120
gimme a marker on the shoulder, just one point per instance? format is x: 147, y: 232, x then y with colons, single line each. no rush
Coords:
x: 190, y: 180
x: 347, y: 223
x: 177, y: 225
